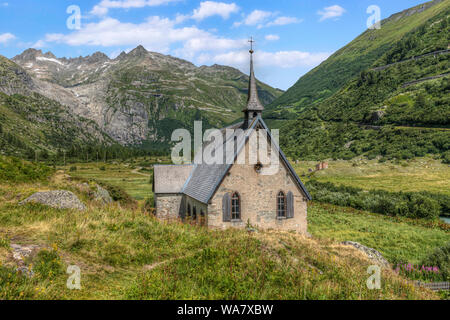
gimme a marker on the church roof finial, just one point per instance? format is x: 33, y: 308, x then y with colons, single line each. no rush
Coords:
x: 253, y: 103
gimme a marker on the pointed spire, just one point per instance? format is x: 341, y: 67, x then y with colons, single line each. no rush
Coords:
x: 253, y: 103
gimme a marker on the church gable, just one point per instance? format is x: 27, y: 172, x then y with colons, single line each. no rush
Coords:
x: 254, y: 162
x: 245, y: 196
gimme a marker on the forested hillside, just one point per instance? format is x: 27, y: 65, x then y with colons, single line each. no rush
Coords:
x: 348, y: 62
x: 399, y: 107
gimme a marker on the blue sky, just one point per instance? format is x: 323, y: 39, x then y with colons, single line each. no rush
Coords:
x: 292, y: 36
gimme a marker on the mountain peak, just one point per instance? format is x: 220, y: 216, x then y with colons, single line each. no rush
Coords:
x: 97, y: 57
x: 139, y: 51
x: 49, y: 54
x: 121, y: 55
x: 29, y: 54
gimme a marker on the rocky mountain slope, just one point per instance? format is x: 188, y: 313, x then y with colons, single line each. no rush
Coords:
x: 140, y: 97
x: 31, y: 122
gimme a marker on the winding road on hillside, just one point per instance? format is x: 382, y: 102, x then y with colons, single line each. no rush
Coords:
x: 439, y: 52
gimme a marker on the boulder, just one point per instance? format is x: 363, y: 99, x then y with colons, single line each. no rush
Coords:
x: 20, y: 254
x: 372, y: 254
x: 59, y: 199
x: 377, y: 115
x: 102, y: 195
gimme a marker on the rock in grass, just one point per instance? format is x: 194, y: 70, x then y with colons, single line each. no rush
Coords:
x: 373, y: 254
x: 59, y: 199
x: 20, y: 254
x: 102, y: 195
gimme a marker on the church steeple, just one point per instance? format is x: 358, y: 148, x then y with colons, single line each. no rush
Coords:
x: 254, y: 106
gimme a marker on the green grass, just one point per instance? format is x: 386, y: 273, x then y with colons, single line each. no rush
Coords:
x: 119, y: 250
x: 421, y: 174
x: 136, y: 184
x: 125, y: 254
x: 399, y: 240
x: 17, y: 170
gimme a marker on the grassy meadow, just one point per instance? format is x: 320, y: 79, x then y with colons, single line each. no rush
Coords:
x: 420, y: 174
x: 399, y: 240
x: 124, y: 253
x: 131, y: 178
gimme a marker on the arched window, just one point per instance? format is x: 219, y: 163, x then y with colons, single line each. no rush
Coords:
x: 235, y: 207
x: 195, y: 213
x: 189, y: 213
x: 281, y: 205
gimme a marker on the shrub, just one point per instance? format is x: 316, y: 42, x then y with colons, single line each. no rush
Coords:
x: 47, y: 264
x: 73, y: 168
x: 4, y: 243
x: 446, y: 157
x: 14, y: 285
x: 17, y: 170
x: 118, y: 194
x: 440, y: 258
x: 424, y: 205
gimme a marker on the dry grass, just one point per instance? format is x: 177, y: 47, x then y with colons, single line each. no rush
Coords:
x: 113, y: 246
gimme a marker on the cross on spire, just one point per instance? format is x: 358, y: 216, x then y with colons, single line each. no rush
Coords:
x: 251, y: 44
x: 254, y: 107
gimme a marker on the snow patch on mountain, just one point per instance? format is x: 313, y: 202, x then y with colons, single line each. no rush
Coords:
x: 50, y: 60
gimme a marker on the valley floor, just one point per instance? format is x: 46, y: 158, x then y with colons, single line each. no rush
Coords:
x: 420, y: 174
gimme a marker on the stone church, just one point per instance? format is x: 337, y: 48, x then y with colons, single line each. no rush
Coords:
x: 235, y: 194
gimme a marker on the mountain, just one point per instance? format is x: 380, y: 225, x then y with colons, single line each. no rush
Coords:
x: 348, y: 62
x: 140, y: 97
x: 397, y: 107
x: 31, y: 122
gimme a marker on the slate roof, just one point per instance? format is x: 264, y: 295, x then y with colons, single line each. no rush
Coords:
x: 205, y: 179
x: 253, y: 103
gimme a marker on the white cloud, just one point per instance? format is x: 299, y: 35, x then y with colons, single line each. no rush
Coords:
x: 156, y: 34
x: 282, y: 21
x: 254, y: 18
x: 272, y: 37
x: 211, y: 8
x: 5, y: 37
x: 102, y: 8
x: 257, y: 16
x: 331, y: 12
x: 280, y: 59
x: 39, y: 44
x: 260, y: 18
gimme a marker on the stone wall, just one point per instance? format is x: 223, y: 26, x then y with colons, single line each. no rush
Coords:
x: 259, y: 199
x: 168, y: 206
